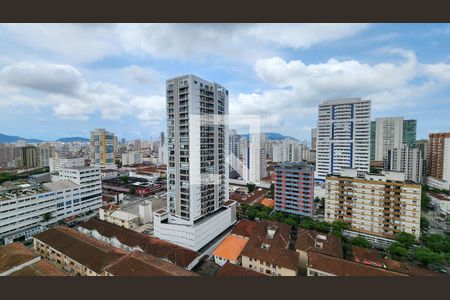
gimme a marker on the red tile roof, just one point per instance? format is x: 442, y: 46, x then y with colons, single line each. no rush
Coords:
x: 278, y: 254
x: 176, y: 254
x: 82, y: 248
x: 341, y: 267
x: 142, y: 264
x: 311, y: 240
x: 40, y: 268
x: 13, y: 255
x: 233, y: 270
x: 244, y: 228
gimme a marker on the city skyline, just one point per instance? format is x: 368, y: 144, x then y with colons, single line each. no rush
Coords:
x: 281, y: 72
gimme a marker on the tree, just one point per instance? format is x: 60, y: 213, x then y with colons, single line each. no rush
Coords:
x: 290, y: 221
x: 47, y: 216
x: 361, y: 242
x: 436, y: 242
x: 125, y: 179
x: 424, y: 224
x: 271, y: 192
x: 251, y: 187
x: 337, y: 227
x: 406, y: 239
x: 425, y: 201
x: 426, y: 256
x: 398, y: 251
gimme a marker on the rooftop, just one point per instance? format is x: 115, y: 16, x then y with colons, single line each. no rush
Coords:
x: 439, y: 196
x: 86, y: 250
x: 40, y: 268
x: 229, y: 269
x: 311, y: 240
x: 244, y: 228
x: 269, y: 242
x: 268, y: 202
x: 59, y: 185
x: 123, y: 215
x: 13, y: 255
x: 150, y: 245
x: 141, y: 264
x: 231, y: 247
x: 341, y: 267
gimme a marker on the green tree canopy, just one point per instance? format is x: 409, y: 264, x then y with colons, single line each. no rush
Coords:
x: 251, y: 187
x: 406, y: 239
x: 426, y: 256
x: 398, y: 251
x: 361, y: 242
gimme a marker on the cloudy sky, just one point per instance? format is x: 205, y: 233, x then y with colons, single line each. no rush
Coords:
x: 59, y: 80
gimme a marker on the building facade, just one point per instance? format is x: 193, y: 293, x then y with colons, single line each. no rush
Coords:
x: 343, y: 136
x: 294, y: 188
x: 254, y: 158
x: 197, y: 170
x: 406, y: 160
x: 102, y: 145
x: 26, y: 209
x: 389, y: 134
x: 382, y: 205
x: 438, y: 163
x: 131, y: 158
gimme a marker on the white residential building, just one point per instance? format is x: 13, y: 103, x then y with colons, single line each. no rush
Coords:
x: 343, y: 136
x: 162, y: 150
x: 57, y: 163
x: 388, y: 135
x: 407, y: 160
x: 131, y: 158
x: 103, y: 145
x: 197, y: 170
x: 23, y: 206
x: 254, y: 159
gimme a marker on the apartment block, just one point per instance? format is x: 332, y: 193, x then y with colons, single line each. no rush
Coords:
x: 438, y: 163
x: 131, y: 158
x: 294, y: 188
x: 381, y: 205
x: 407, y: 160
x: 102, y: 144
x: 343, y: 136
x: 27, y: 208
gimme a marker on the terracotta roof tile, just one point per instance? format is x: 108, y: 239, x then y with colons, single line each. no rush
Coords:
x: 231, y: 247
x: 40, y: 268
x: 311, y: 240
x: 234, y: 270
x: 176, y: 254
x: 13, y: 255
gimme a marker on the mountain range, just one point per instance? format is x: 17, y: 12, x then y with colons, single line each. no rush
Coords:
x: 12, y: 139
x: 274, y: 136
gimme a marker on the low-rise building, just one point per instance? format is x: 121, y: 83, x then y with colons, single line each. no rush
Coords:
x: 441, y: 201
x: 267, y: 250
x: 325, y: 265
x: 229, y: 250
x: 313, y: 241
x: 131, y: 158
x: 130, y: 240
x: 74, y: 252
x: 123, y: 219
x: 232, y: 270
x: 142, y: 264
x: 18, y: 260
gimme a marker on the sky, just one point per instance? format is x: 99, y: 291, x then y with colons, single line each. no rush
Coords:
x: 62, y: 80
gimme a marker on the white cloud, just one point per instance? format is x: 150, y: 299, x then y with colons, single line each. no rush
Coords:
x: 243, y: 42
x: 43, y: 77
x: 141, y: 75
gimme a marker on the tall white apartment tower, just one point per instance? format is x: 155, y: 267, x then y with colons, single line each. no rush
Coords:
x: 198, y: 209
x: 388, y: 135
x: 234, y: 151
x: 343, y: 137
x: 162, y: 150
x: 254, y: 158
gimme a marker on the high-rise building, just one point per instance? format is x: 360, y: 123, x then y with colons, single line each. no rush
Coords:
x: 407, y: 160
x: 137, y: 145
x: 422, y: 145
x: 28, y: 157
x: 288, y: 150
x: 410, y: 133
x: 102, y: 148
x: 313, y: 138
x: 198, y: 209
x: 373, y: 130
x: 254, y: 159
x: 343, y: 136
x: 380, y: 204
x: 131, y: 158
x: 438, y: 163
x: 389, y: 134
x: 234, y: 148
x: 294, y: 188
x: 44, y: 153
x: 162, y: 150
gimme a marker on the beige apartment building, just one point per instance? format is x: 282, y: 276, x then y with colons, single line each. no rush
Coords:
x: 378, y: 204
